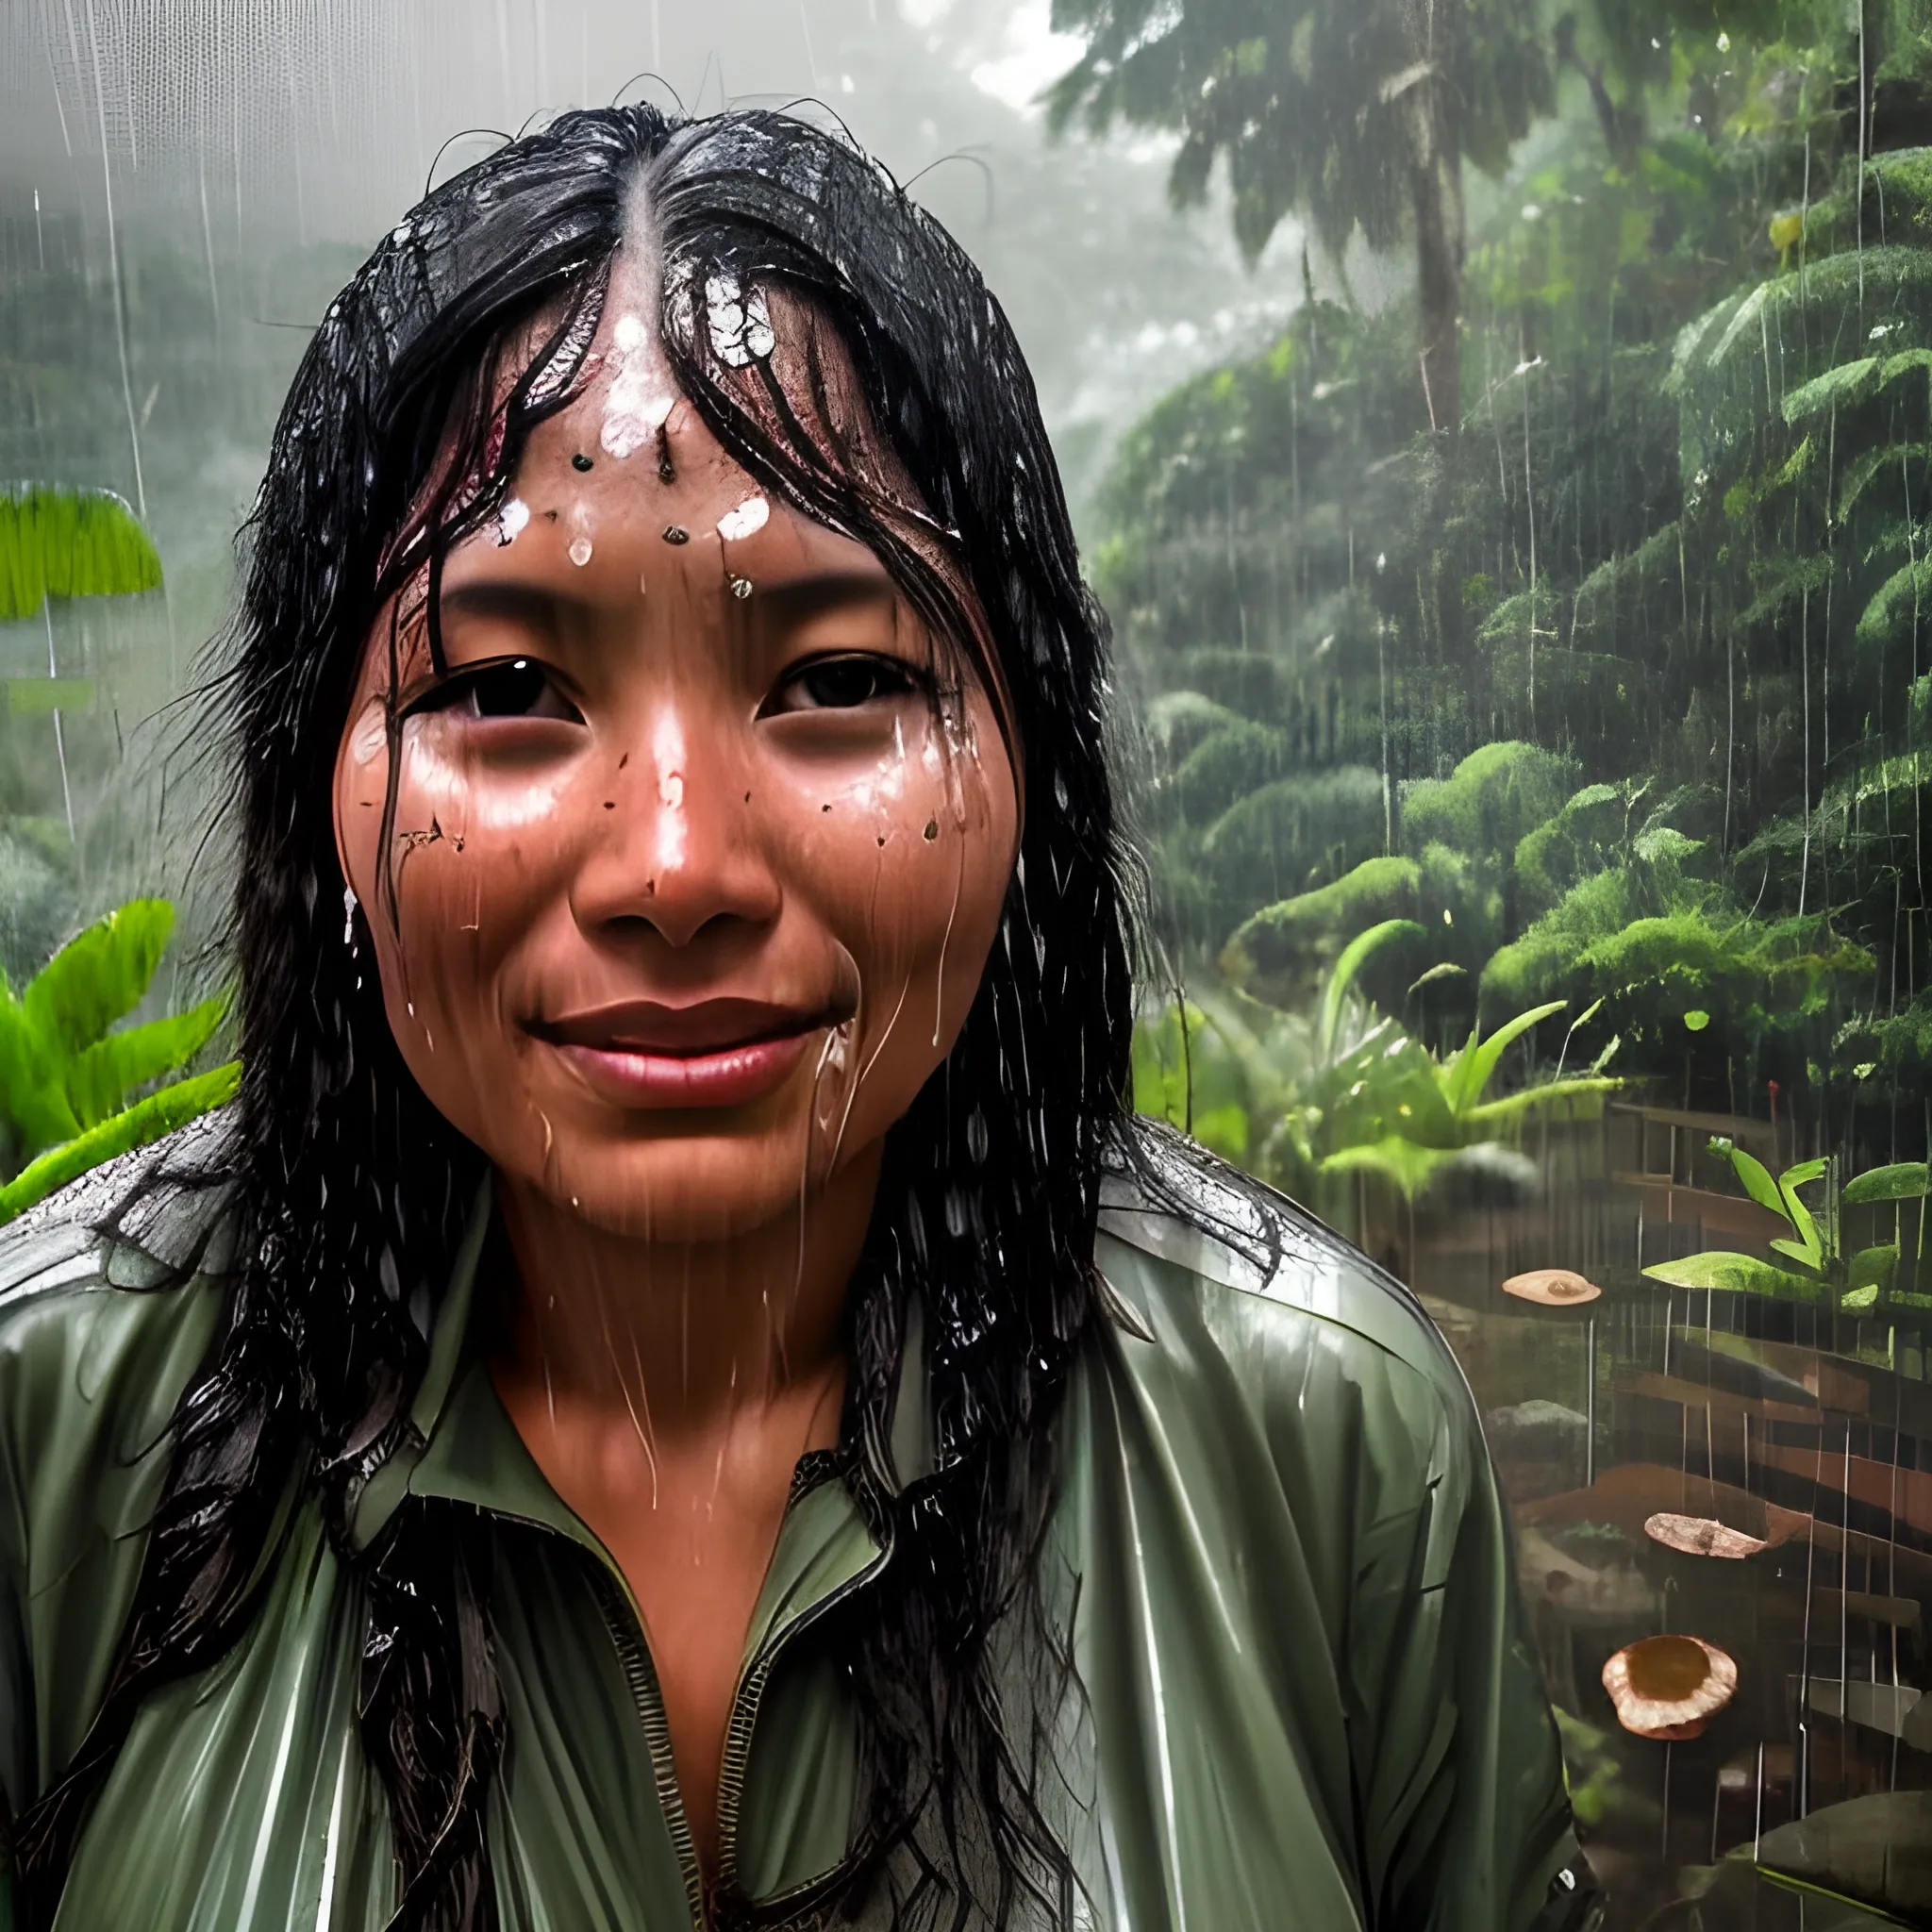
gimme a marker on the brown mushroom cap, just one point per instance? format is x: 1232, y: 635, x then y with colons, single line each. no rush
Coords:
x: 1554, y: 1287
x: 1668, y: 1687
x: 1701, y: 1536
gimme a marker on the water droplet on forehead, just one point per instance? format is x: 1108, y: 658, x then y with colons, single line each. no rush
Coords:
x: 676, y: 533
x: 747, y: 520
x: 580, y: 551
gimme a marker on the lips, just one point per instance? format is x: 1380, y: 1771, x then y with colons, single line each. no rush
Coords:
x: 716, y: 1053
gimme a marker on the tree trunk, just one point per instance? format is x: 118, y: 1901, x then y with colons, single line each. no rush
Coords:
x: 1439, y: 295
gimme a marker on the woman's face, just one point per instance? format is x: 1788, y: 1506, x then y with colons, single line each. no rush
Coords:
x: 698, y: 851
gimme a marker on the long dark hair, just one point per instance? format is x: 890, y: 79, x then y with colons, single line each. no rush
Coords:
x: 350, y: 1191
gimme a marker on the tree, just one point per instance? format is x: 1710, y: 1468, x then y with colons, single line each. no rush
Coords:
x: 1358, y: 114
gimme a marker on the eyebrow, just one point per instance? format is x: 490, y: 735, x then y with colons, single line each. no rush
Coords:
x: 793, y: 600
x: 520, y: 603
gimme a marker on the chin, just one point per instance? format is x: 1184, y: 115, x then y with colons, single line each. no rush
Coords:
x: 683, y: 1187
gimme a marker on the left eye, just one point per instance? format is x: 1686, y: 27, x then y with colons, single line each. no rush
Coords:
x: 841, y: 684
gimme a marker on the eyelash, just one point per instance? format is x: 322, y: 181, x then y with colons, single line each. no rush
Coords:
x: 473, y: 682
x: 891, y: 677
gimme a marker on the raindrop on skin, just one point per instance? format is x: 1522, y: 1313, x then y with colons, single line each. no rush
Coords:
x: 580, y: 551
x: 640, y: 396
x: 745, y: 521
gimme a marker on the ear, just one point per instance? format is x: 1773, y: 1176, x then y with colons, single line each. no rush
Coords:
x: 357, y: 786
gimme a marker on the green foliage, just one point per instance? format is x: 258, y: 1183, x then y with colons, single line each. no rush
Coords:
x: 134, y: 1126
x: 70, y: 544
x: 1496, y: 797
x: 1581, y: 838
x: 1230, y: 762
x: 1326, y: 109
x: 1812, y: 1265
x: 1295, y: 834
x: 65, y: 1075
x: 1284, y: 938
x: 1179, y: 720
x: 1314, y: 1103
x: 1623, y: 695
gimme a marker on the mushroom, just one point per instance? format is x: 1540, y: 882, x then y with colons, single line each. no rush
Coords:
x: 1667, y: 1687
x: 1554, y: 1287
x: 1701, y: 1536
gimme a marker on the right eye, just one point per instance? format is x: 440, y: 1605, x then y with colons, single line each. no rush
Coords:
x: 517, y: 687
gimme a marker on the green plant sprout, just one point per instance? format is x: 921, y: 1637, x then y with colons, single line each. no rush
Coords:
x: 1813, y: 1266
x: 68, y: 1082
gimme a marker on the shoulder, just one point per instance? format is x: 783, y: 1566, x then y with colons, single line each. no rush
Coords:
x: 1184, y: 1236
x: 109, y: 1294
x: 1280, y: 1354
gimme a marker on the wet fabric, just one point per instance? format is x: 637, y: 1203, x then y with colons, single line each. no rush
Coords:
x: 1304, y: 1696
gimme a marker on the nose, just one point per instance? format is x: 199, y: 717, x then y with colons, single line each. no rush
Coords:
x: 674, y: 852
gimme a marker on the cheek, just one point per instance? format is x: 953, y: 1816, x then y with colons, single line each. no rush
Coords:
x: 472, y: 859
x: 908, y: 868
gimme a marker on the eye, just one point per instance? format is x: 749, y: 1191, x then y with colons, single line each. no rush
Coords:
x: 843, y: 684
x: 516, y: 688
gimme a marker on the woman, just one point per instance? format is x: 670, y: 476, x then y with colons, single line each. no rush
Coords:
x: 679, y: 1396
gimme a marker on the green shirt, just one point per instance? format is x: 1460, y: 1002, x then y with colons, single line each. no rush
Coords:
x: 1304, y: 1696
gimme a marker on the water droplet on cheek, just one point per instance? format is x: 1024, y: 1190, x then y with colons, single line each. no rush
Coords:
x: 932, y: 830
x: 580, y: 551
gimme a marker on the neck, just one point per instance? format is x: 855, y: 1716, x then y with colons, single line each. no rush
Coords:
x: 679, y: 1335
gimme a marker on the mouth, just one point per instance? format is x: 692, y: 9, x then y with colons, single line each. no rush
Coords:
x: 718, y: 1053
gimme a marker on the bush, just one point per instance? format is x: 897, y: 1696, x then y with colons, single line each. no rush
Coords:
x: 1496, y: 796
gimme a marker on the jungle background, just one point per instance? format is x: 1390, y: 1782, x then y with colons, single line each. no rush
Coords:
x: 1501, y: 434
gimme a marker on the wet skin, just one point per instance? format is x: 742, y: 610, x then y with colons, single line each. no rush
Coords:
x: 694, y: 889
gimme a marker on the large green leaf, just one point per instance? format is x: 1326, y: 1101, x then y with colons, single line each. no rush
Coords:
x: 1516, y: 1106
x: 1738, y: 1274
x: 1900, y: 604
x: 147, y: 1120
x: 1906, y: 1180
x: 1850, y: 382
x: 1412, y: 1168
x: 1872, y: 1267
x: 1755, y: 1177
x: 1874, y: 1851
x: 1353, y: 956
x: 70, y: 544
x: 1469, y: 1073
x: 98, y: 975
x: 100, y: 1079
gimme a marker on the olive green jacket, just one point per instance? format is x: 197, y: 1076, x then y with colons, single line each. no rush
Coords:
x: 1304, y: 1697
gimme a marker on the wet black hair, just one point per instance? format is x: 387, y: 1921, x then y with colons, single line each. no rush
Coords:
x: 470, y: 323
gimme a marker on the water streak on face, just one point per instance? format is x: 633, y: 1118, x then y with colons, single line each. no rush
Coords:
x: 669, y: 867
